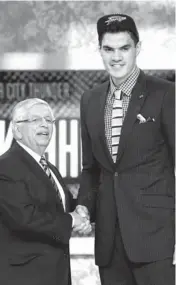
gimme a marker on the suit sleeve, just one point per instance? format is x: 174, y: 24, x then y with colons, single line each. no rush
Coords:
x: 22, y: 214
x: 89, y: 179
x: 168, y: 120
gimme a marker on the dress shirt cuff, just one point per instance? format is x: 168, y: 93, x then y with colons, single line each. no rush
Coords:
x: 73, y: 220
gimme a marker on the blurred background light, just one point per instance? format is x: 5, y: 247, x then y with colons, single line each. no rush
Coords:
x: 22, y: 61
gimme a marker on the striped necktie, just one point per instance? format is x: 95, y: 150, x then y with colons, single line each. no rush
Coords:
x: 117, y: 120
x: 44, y: 164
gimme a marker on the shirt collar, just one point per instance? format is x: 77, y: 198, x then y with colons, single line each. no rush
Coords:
x: 126, y: 86
x: 35, y: 155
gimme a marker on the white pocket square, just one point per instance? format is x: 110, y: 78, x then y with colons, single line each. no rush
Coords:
x: 144, y: 120
x: 141, y: 119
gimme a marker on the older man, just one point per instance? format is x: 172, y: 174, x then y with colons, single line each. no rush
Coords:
x: 35, y: 223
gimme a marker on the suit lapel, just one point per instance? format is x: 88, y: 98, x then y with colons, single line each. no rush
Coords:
x: 138, y: 97
x: 40, y: 174
x: 61, y: 181
x: 103, y: 97
x: 35, y: 168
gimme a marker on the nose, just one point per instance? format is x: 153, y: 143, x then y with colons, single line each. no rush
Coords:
x: 43, y: 122
x: 117, y: 55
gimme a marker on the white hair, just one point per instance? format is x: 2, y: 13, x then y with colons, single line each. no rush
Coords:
x: 22, y: 108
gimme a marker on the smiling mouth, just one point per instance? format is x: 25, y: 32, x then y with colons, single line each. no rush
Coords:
x: 117, y: 64
x: 43, y: 134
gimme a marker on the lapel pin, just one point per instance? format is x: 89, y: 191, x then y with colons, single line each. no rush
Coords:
x: 141, y: 96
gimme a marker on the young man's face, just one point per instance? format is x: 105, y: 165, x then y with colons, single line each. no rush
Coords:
x: 119, y: 53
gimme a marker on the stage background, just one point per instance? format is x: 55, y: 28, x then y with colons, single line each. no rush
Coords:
x: 63, y: 91
x: 49, y: 49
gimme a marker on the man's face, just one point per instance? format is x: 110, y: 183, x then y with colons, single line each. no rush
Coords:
x: 119, y: 53
x: 36, y: 133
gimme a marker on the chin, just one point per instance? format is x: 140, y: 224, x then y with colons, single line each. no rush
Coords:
x: 118, y: 75
x: 44, y: 143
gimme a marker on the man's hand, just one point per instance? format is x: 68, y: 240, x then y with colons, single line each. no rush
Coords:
x: 85, y: 227
x: 83, y: 212
x: 77, y: 219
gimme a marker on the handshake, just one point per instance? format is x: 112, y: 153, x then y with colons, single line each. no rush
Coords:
x: 81, y: 220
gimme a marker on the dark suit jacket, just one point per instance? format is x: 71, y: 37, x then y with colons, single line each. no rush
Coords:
x: 34, y: 229
x: 139, y: 188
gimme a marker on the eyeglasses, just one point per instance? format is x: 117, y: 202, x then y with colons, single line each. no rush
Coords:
x: 37, y: 120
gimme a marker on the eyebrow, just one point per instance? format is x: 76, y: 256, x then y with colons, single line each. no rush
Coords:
x: 122, y: 47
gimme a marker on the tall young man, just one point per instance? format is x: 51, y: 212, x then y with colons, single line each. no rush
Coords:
x: 127, y: 181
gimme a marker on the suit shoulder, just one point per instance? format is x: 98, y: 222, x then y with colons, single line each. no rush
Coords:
x: 9, y: 165
x: 6, y: 164
x: 5, y: 157
x: 98, y: 88
x: 95, y: 91
x: 159, y: 84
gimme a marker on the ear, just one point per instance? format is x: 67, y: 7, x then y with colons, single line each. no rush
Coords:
x: 16, y: 131
x: 138, y: 48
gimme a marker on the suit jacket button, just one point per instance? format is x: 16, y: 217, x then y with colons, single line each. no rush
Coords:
x: 116, y: 174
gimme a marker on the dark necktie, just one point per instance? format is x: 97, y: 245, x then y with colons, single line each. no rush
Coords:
x: 48, y: 173
x: 117, y: 119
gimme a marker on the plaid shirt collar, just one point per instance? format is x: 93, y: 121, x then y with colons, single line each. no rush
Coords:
x: 126, y: 86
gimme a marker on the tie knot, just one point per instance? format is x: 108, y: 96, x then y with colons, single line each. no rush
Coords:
x: 43, y: 161
x: 117, y: 94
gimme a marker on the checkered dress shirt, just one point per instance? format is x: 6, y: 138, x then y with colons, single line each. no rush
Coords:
x: 126, y: 88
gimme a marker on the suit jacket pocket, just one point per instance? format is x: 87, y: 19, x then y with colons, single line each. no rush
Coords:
x: 158, y: 201
x: 22, y: 259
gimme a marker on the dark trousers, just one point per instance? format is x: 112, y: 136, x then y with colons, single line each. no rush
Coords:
x: 123, y: 272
